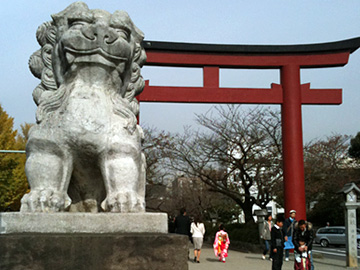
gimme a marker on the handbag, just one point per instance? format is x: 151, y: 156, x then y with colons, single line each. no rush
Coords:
x: 289, y: 244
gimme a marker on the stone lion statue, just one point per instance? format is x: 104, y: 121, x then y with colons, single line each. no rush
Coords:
x: 84, y: 154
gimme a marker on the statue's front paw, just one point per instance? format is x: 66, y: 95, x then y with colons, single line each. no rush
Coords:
x: 45, y: 200
x: 123, y: 202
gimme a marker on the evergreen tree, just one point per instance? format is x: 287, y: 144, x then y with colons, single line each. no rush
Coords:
x: 354, y: 150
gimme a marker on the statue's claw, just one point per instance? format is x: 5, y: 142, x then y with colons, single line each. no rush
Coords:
x: 45, y: 200
x: 123, y: 202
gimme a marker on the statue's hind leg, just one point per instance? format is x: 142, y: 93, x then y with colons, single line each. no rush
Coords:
x: 48, y: 170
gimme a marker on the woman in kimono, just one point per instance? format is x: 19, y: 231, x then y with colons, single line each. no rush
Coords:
x: 221, y: 244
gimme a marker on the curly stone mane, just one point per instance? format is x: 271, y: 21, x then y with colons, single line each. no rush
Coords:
x: 48, y: 95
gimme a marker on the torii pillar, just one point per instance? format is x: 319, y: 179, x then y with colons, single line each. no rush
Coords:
x: 292, y: 141
x: 290, y: 94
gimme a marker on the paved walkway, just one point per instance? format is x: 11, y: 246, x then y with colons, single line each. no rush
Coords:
x: 248, y: 261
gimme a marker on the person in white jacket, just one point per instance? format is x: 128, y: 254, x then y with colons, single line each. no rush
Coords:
x: 197, y: 230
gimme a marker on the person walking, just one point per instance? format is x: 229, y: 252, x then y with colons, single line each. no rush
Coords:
x: 304, y: 233
x: 197, y: 229
x: 266, y: 235
x: 288, y: 231
x: 182, y: 223
x: 182, y: 226
x: 221, y: 244
x: 277, y: 243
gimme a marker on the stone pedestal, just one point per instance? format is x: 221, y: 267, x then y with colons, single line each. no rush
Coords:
x: 83, y: 241
x: 18, y: 222
x: 76, y: 251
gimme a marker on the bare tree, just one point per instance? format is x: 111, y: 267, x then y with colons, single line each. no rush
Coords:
x: 238, y: 154
x: 154, y: 145
x: 158, y: 196
x: 195, y: 195
x: 166, y: 191
x: 327, y: 166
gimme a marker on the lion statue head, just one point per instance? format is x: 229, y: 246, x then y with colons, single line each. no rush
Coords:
x: 78, y: 36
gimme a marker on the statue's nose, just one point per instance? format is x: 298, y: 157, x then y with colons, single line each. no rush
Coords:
x: 100, y: 34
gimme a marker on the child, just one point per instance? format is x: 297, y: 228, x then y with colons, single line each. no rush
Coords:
x: 221, y: 244
x: 302, y: 261
x: 277, y: 243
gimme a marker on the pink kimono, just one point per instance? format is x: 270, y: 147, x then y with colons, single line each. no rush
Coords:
x: 221, y: 245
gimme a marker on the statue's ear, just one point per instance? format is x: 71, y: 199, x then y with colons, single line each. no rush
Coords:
x: 75, y: 10
x: 59, y: 19
x: 58, y: 65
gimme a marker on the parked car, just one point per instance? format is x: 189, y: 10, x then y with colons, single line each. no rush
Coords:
x: 333, y: 235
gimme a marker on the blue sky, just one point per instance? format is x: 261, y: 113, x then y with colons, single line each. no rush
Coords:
x: 220, y: 22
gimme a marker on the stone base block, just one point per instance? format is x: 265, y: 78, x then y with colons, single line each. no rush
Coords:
x: 17, y: 222
x: 93, y: 251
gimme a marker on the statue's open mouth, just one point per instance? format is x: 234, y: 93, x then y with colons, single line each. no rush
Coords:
x: 96, y: 51
x: 97, y: 55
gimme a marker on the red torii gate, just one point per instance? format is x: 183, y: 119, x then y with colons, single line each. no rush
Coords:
x: 290, y: 93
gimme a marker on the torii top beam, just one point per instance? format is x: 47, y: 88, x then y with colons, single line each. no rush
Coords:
x: 211, y: 57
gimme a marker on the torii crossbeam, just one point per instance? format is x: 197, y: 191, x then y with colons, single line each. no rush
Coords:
x: 290, y: 93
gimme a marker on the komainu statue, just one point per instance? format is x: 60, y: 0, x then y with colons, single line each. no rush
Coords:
x: 84, y: 154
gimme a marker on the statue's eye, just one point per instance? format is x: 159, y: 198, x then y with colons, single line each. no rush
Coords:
x: 77, y: 24
x: 123, y: 33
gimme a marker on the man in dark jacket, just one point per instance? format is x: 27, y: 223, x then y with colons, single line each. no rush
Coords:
x: 277, y: 243
x: 182, y: 223
x: 303, y: 230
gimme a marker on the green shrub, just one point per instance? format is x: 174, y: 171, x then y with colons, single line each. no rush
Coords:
x: 248, y: 233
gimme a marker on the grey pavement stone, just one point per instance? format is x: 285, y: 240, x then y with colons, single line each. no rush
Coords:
x: 248, y: 261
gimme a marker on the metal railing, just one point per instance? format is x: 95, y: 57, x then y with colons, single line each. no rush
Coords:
x: 13, y: 151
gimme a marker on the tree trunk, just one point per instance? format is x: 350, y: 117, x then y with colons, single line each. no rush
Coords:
x: 247, y: 208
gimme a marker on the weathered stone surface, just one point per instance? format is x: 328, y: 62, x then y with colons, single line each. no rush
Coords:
x: 93, y: 252
x: 351, y: 235
x: 11, y: 223
x: 84, y: 153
